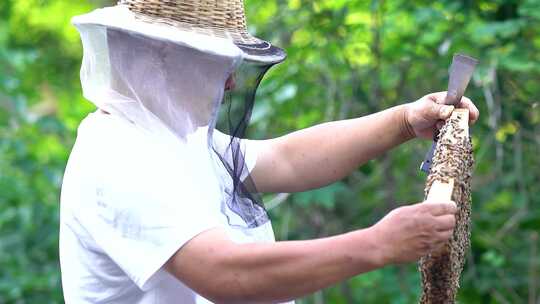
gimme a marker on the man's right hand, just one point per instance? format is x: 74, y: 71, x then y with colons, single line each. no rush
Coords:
x: 411, y: 232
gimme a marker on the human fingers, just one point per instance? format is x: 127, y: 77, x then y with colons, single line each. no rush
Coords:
x: 466, y: 103
x: 432, y: 110
x: 441, y: 208
x: 443, y: 236
x: 436, y: 106
x: 445, y: 222
x: 437, y: 97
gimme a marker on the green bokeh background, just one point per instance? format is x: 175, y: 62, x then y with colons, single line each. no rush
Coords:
x: 346, y: 59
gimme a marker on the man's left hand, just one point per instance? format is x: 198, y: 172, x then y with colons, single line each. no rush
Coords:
x: 427, y: 114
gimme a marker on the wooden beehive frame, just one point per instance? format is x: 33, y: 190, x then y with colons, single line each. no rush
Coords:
x: 442, y: 190
x: 449, y: 178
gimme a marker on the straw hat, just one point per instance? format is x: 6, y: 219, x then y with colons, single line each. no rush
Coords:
x: 201, y: 24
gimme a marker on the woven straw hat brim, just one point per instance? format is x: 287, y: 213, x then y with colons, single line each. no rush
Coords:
x: 213, y: 41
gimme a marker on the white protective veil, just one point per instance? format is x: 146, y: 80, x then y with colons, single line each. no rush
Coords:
x: 173, y: 88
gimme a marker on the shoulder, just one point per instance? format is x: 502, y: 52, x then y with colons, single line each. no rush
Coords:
x: 115, y: 142
x: 111, y: 151
x: 120, y: 153
x: 120, y: 171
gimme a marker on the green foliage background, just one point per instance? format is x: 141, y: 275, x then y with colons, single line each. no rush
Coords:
x: 346, y: 59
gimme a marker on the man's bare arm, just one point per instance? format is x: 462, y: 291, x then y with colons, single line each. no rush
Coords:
x: 270, y: 272
x: 325, y: 153
x: 225, y: 272
x: 320, y: 155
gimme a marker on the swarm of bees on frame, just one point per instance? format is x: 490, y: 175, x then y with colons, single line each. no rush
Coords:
x: 453, y: 159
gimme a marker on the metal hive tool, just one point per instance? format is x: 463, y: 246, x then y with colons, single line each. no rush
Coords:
x: 460, y: 74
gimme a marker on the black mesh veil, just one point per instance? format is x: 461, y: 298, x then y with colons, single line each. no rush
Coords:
x: 241, y: 195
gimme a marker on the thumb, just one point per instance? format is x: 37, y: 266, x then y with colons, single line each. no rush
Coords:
x: 442, y: 111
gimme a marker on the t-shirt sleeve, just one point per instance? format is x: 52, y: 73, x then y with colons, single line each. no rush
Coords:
x: 146, y: 209
x: 251, y: 153
x: 249, y: 148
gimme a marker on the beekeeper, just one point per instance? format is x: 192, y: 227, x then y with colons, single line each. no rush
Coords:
x: 158, y: 206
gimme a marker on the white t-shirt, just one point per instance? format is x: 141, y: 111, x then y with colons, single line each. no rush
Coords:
x: 129, y: 202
